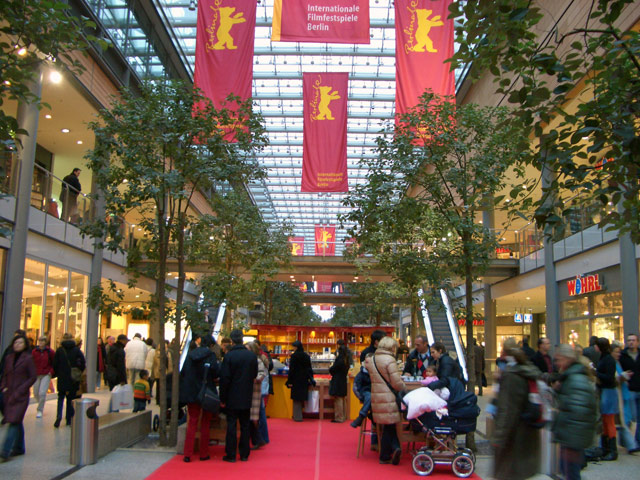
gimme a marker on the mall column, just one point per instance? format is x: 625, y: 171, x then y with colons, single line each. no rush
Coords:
x: 27, y: 117
x: 629, y: 278
x: 550, y: 283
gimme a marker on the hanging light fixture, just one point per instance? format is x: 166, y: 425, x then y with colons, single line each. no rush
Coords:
x: 192, y: 5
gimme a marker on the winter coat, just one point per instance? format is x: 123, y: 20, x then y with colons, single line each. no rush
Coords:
x: 148, y: 362
x: 300, y: 375
x: 447, y: 368
x: 17, y: 378
x: 592, y: 354
x: 116, y: 370
x: 67, y: 357
x: 365, y: 352
x: 606, y: 371
x: 101, y: 355
x: 411, y: 364
x: 136, y: 354
x: 517, y: 445
x: 478, y: 359
x: 43, y: 360
x: 539, y: 361
x: 237, y: 374
x: 383, y: 401
x: 575, y: 422
x: 339, y: 371
x: 192, y: 373
x: 256, y: 398
x: 155, y: 370
x: 628, y: 363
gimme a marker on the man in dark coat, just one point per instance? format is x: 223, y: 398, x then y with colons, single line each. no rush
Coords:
x: 528, y: 351
x: 299, y: 379
x: 575, y: 422
x: 590, y: 352
x: 542, y: 359
x: 18, y: 376
x: 116, y: 365
x: 67, y: 357
x: 478, y: 358
x: 237, y: 374
x: 71, y: 188
x: 418, y: 359
x: 376, y: 336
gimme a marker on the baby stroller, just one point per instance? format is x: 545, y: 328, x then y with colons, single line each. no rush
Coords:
x: 181, y: 413
x: 441, y: 447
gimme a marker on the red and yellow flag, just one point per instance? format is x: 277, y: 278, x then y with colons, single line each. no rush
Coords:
x: 424, y: 40
x: 325, y: 240
x: 224, y: 48
x: 297, y: 246
x: 322, y: 21
x: 324, y: 150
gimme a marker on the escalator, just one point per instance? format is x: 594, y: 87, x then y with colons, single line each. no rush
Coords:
x: 441, y: 326
x: 218, y: 314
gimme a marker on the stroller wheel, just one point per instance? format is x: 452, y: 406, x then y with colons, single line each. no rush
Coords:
x: 462, y: 465
x: 423, y: 464
x: 156, y: 423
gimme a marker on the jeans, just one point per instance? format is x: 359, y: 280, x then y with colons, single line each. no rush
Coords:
x: 262, y: 422
x: 139, y: 405
x: 194, y: 411
x: 389, y: 442
x: 132, y: 375
x: 14, y: 441
x: 366, y: 403
x: 571, y: 462
x: 635, y: 412
x: 40, y: 389
x: 231, y: 440
x: 70, y: 411
x: 98, y: 375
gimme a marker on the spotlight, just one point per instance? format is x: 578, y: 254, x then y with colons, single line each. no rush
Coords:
x: 192, y: 5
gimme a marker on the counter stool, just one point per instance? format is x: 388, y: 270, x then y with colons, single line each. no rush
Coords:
x: 367, y: 432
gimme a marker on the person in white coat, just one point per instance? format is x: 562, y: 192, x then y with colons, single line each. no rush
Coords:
x: 148, y: 364
x: 135, y: 357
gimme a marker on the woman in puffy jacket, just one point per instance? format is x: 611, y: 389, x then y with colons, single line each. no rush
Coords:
x: 383, y: 370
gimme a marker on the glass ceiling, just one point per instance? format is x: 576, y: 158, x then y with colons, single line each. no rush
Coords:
x: 277, y: 95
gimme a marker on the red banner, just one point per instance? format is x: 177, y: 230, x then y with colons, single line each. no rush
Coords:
x: 297, y: 246
x: 325, y: 240
x: 324, y: 287
x: 324, y: 155
x: 424, y: 40
x: 224, y: 48
x: 322, y: 21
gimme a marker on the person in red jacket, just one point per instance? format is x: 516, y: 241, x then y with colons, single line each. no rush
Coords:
x: 43, y: 358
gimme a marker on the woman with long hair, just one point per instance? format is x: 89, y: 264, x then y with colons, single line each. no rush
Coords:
x: 606, y: 379
x: 338, y: 385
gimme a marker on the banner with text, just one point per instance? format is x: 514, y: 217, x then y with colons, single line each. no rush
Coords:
x: 322, y: 21
x: 325, y: 240
x: 224, y: 48
x: 324, y: 147
x: 424, y: 40
x: 296, y: 245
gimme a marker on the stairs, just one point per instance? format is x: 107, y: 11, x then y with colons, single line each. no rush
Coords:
x: 440, y: 325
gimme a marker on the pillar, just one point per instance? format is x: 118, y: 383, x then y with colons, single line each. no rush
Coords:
x: 551, y: 285
x: 629, y: 278
x: 26, y: 153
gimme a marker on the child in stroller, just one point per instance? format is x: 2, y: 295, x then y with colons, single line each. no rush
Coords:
x: 441, y: 447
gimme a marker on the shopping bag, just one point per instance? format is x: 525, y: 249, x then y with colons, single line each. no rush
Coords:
x: 313, y: 402
x: 122, y: 397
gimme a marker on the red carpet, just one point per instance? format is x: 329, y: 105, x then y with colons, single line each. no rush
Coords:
x: 311, y: 450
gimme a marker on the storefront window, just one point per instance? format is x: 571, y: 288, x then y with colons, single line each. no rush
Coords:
x: 32, y: 293
x: 56, y: 304
x: 609, y: 327
x: 575, y: 308
x: 575, y: 332
x: 607, y: 303
x: 76, y: 304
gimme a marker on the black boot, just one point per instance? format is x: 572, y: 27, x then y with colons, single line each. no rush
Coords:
x: 604, y: 444
x: 358, y: 421
x: 612, y: 453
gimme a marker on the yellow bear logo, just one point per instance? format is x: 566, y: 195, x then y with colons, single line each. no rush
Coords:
x: 227, y: 20
x: 326, y: 236
x: 424, y: 27
x: 326, y: 97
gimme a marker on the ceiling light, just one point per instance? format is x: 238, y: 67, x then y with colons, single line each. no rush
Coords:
x: 65, y: 130
x: 79, y: 142
x: 47, y: 116
x: 528, y: 298
x: 125, y: 180
x: 192, y: 5
x: 7, y: 82
x: 55, y: 76
x: 22, y: 52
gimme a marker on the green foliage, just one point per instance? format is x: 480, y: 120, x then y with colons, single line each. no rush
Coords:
x: 373, y: 304
x: 539, y: 76
x: 284, y: 305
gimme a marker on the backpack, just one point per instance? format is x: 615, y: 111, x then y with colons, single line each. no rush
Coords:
x: 537, y: 408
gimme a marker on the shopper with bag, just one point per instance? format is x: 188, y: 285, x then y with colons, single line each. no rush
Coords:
x: 43, y: 359
x: 198, y: 374
x: 299, y: 379
x: 68, y: 365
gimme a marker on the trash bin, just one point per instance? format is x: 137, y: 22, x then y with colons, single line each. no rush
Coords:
x: 84, y: 432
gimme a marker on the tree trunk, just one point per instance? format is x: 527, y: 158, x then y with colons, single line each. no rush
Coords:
x: 161, y: 301
x: 378, y: 318
x: 470, y: 439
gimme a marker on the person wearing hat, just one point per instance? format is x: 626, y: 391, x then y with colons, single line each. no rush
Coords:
x: 574, y: 425
x: 512, y: 434
x: 299, y: 379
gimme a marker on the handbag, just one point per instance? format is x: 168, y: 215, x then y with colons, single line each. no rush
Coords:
x: 399, y: 395
x: 76, y: 373
x: 208, y: 397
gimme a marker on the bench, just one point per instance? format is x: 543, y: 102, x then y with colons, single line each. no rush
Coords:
x: 120, y: 430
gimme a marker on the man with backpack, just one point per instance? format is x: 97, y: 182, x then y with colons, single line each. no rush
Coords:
x: 574, y: 425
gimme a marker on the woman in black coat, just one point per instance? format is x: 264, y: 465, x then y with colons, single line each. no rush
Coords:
x: 68, y: 356
x: 447, y: 366
x: 338, y: 385
x: 19, y: 373
x: 191, y: 382
x: 299, y: 379
x: 606, y: 378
